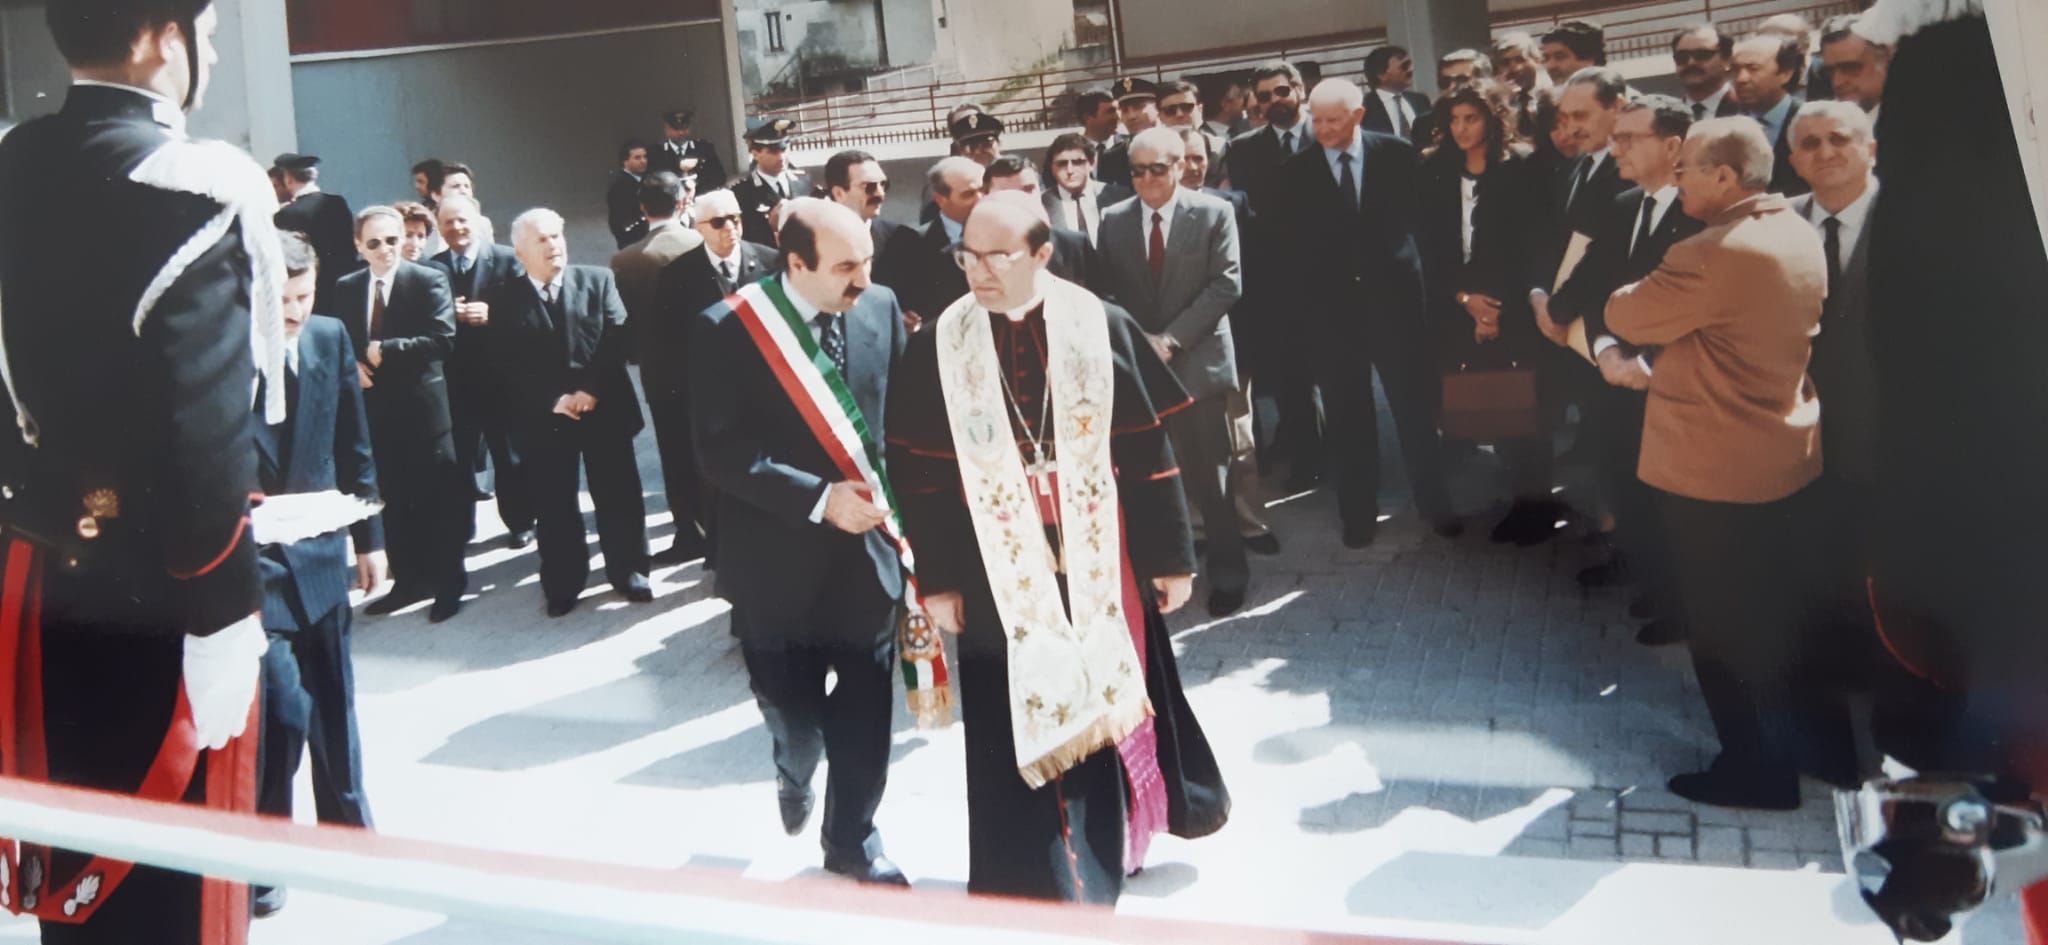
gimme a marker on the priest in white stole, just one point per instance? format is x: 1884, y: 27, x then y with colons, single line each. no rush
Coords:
x: 1039, y: 490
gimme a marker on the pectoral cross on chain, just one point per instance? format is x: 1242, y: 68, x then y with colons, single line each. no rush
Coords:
x: 1041, y: 471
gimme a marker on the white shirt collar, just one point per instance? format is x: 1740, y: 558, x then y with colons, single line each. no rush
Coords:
x: 1596, y: 157
x: 291, y: 351
x: 1165, y: 210
x: 162, y: 110
x: 542, y: 287
x: 733, y: 260
x: 1357, y: 151
x: 804, y: 309
x: 1713, y: 100
x: 1852, y: 216
x: 1300, y: 130
x: 474, y: 252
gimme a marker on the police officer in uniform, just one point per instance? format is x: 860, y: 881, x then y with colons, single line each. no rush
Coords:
x: 323, y: 217
x: 678, y: 147
x: 1132, y: 95
x: 126, y: 507
x: 771, y: 182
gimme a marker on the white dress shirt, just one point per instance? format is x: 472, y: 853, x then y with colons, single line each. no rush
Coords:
x: 551, y: 289
x: 1397, y: 103
x: 379, y: 285
x: 1852, y: 216
x: 1666, y: 198
x: 1711, y: 103
x: 1082, y: 211
x: 731, y: 264
x: 809, y: 313
x: 1165, y: 217
x: 1357, y: 151
x: 1302, y: 131
x: 1468, y: 200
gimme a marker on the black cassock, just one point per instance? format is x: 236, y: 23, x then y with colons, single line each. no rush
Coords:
x: 1065, y: 840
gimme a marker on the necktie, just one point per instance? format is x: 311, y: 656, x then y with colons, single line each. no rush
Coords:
x: 831, y: 340
x: 1643, y: 228
x: 725, y: 272
x: 1699, y: 111
x: 1287, y: 142
x: 1400, y: 117
x: 1155, y: 251
x: 1832, y: 228
x: 377, y: 310
x: 461, y: 265
x: 1347, y: 183
x: 1081, y: 218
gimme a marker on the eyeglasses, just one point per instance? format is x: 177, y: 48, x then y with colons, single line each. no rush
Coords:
x: 1184, y: 108
x: 380, y: 244
x: 1683, y: 56
x: 875, y: 186
x: 1278, y: 91
x: 1064, y: 163
x: 995, y: 263
x: 1152, y: 170
x: 720, y: 223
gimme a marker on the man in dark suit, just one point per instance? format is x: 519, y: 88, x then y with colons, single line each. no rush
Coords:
x: 1391, y: 107
x: 1586, y: 112
x: 933, y: 280
x: 622, y: 195
x: 813, y: 581
x: 1629, y: 238
x: 696, y: 280
x: 1173, y: 264
x: 308, y: 680
x: 401, y: 317
x: 856, y: 181
x: 1765, y: 68
x: 1700, y: 54
x: 559, y: 346
x: 1348, y: 206
x: 771, y: 182
x: 679, y: 146
x: 1073, y: 255
x: 324, y: 218
x: 1074, y: 198
x: 1276, y: 326
x: 638, y: 269
x: 1137, y: 103
x: 129, y: 461
x: 475, y: 411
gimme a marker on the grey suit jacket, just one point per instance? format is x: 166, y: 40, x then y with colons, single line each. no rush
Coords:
x: 1842, y: 372
x: 638, y: 270
x: 1201, y: 281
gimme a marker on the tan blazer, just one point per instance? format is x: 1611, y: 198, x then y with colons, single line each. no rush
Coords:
x: 1732, y: 416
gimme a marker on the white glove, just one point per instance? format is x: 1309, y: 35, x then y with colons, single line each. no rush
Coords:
x: 221, y: 673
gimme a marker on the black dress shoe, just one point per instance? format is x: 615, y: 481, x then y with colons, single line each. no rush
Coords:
x: 1612, y: 573
x: 1225, y: 603
x: 796, y: 811
x: 1661, y: 633
x: 266, y: 901
x: 558, y: 608
x: 1447, y: 527
x: 1301, y: 480
x: 636, y: 590
x: 1360, y: 536
x: 520, y: 539
x: 875, y: 872
x: 1266, y: 544
x: 399, y: 599
x: 1720, y: 789
x: 444, y: 608
x: 1527, y: 523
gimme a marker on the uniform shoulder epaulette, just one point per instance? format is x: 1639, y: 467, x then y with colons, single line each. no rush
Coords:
x: 1888, y: 21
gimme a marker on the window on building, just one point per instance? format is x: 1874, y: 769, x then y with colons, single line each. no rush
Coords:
x: 774, y: 31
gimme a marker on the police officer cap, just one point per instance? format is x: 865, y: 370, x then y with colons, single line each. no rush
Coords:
x: 772, y: 133
x: 295, y: 162
x: 976, y: 125
x: 1133, y: 87
x: 678, y: 119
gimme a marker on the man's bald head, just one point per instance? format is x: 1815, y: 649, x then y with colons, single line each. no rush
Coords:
x: 827, y: 251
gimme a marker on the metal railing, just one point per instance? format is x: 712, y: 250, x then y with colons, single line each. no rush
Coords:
x: 1044, y: 99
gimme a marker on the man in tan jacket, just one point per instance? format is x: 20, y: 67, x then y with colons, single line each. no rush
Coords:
x: 1730, y: 444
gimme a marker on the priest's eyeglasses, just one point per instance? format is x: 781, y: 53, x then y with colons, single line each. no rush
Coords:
x: 996, y: 263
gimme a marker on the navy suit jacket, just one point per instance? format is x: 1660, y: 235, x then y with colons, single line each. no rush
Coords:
x: 770, y: 470
x: 323, y: 444
x: 538, y: 359
x: 1340, y: 257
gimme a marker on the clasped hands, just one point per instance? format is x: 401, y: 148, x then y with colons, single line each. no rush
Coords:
x: 947, y: 611
x: 575, y: 405
x: 472, y: 313
x: 1485, y: 312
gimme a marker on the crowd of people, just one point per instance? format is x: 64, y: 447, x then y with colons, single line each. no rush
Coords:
x: 1675, y: 284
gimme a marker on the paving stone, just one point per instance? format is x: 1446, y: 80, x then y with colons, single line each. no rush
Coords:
x: 1638, y: 845
x: 1656, y: 822
x: 1593, y: 828
x: 1720, y: 845
x: 1590, y: 848
x: 1674, y: 847
x: 1774, y: 860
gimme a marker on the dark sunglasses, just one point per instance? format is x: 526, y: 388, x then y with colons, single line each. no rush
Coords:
x: 875, y: 186
x: 1278, y: 91
x: 1064, y: 163
x: 1683, y: 56
x: 380, y: 244
x: 1151, y: 170
x: 720, y: 223
x: 1185, y: 108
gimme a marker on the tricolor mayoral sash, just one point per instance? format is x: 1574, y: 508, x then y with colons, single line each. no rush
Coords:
x: 821, y: 396
x: 1077, y: 682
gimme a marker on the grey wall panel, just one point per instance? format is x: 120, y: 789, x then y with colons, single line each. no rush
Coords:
x: 540, y: 121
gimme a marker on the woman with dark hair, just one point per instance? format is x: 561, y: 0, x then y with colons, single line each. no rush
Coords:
x: 1482, y: 197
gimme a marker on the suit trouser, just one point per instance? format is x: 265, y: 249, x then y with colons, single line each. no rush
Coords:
x: 1747, y: 579
x: 1242, y: 415
x: 849, y: 630
x: 428, y: 515
x: 309, y: 703
x: 1200, y: 433
x: 552, y: 467
x: 688, y: 493
x: 479, y: 433
x: 1345, y: 362
x: 1614, y: 419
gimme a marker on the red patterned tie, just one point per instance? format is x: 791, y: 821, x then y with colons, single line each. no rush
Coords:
x: 1156, y: 252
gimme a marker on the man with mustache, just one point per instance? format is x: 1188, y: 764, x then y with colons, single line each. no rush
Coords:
x: 1701, y: 54
x: 856, y: 181
x: 560, y: 352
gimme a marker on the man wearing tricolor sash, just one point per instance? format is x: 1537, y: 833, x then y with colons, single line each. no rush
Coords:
x: 1042, y: 496
x: 787, y: 380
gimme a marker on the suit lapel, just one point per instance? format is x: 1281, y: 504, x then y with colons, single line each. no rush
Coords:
x: 1132, y: 234
x: 1179, y: 239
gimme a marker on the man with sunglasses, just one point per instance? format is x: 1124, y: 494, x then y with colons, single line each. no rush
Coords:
x: 1253, y: 164
x: 1701, y: 55
x: 1180, y: 106
x: 772, y: 180
x: 696, y: 280
x: 402, y: 317
x: 1076, y: 199
x: 1392, y: 107
x: 856, y: 181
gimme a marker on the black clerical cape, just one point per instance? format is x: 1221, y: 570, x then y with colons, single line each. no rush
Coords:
x: 1067, y: 840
